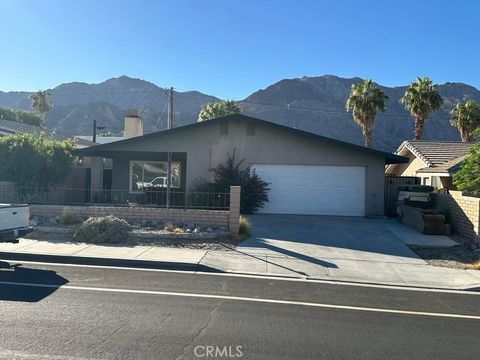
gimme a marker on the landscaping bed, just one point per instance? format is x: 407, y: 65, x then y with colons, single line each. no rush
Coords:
x: 141, y: 233
x: 457, y: 257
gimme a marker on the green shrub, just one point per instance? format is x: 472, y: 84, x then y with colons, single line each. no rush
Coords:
x: 205, y: 195
x: 70, y: 219
x: 245, y: 228
x: 29, y: 159
x: 103, y: 230
x: 254, y: 191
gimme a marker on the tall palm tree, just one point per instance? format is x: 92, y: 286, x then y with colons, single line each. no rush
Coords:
x: 421, y: 98
x: 365, y: 100
x: 41, y: 103
x: 466, y: 117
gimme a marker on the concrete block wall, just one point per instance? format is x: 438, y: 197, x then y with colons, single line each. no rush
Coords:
x: 234, y: 211
x: 212, y: 218
x: 463, y: 213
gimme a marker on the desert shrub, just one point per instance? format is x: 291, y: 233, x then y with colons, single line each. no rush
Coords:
x: 254, y: 192
x: 70, y: 219
x: 245, y: 228
x: 169, y: 227
x: 102, y: 230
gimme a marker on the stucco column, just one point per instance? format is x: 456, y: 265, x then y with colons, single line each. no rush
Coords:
x: 96, y: 179
x: 234, y: 215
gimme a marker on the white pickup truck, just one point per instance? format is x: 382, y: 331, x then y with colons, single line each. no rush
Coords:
x: 14, y: 222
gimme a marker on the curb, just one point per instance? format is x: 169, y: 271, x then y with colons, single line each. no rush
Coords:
x: 100, y: 261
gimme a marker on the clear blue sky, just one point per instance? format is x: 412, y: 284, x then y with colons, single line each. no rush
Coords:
x: 232, y: 48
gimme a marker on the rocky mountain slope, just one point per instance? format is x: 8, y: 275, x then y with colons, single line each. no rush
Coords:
x: 314, y: 104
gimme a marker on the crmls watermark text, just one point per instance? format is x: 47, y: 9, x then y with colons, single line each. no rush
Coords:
x: 218, y: 352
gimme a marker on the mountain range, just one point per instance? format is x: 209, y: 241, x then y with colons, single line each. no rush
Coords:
x: 315, y: 104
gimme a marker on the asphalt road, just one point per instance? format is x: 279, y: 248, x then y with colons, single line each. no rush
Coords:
x: 77, y: 312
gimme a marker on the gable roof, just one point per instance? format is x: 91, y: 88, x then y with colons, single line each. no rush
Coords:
x: 98, y: 149
x: 439, y: 156
x: 86, y: 140
x: 8, y: 127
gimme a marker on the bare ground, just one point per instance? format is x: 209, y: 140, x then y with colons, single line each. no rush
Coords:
x: 457, y: 257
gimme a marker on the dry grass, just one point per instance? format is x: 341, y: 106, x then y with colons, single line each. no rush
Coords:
x: 245, y: 228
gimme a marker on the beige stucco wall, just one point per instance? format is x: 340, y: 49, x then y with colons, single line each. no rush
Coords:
x: 408, y: 169
x: 206, y: 148
x: 463, y: 213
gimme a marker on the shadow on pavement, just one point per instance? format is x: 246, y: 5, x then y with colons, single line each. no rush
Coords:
x: 12, y: 277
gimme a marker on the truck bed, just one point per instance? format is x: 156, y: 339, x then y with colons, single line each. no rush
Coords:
x: 14, y: 221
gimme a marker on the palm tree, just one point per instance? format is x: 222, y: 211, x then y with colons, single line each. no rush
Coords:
x: 365, y: 100
x: 41, y: 103
x: 218, y: 109
x: 466, y: 117
x: 421, y: 98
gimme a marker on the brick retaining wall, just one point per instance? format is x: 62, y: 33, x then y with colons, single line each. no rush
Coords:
x: 463, y: 213
x: 212, y: 218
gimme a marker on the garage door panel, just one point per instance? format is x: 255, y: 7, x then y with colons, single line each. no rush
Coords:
x: 314, y: 190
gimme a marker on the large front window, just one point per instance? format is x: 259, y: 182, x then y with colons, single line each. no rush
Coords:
x: 152, y: 175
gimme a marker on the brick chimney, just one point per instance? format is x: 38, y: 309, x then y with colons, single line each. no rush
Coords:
x: 133, y: 124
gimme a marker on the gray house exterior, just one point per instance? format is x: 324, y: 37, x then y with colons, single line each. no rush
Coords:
x: 308, y: 173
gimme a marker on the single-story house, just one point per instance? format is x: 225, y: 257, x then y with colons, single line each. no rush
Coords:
x: 433, y: 161
x: 307, y: 173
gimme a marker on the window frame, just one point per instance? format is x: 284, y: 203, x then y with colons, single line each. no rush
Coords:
x: 142, y: 162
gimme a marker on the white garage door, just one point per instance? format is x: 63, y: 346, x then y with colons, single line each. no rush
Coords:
x: 314, y: 190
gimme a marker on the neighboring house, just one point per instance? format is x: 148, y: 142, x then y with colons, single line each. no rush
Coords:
x: 8, y: 127
x: 86, y: 140
x: 433, y: 161
x: 307, y: 173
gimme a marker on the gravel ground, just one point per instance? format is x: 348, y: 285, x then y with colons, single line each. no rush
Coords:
x: 457, y: 257
x: 222, y: 242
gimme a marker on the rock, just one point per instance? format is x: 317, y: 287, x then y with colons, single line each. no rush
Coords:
x: 209, y: 229
x: 196, y: 230
x: 188, y: 230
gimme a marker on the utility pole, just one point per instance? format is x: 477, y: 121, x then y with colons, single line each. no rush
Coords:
x: 170, y: 109
x: 169, y: 154
x: 94, y: 137
x: 95, y: 128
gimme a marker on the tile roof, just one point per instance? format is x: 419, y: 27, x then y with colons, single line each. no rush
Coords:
x: 12, y: 127
x: 439, y: 156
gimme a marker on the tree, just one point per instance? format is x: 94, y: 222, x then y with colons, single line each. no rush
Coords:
x: 420, y: 99
x: 41, y: 103
x: 218, y: 109
x: 466, y: 117
x: 365, y: 100
x: 30, y: 159
x: 20, y: 116
x: 468, y: 177
x: 254, y: 191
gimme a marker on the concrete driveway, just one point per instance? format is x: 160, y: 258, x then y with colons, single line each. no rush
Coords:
x: 336, y: 248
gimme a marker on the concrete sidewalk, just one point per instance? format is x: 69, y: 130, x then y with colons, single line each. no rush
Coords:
x: 259, y: 261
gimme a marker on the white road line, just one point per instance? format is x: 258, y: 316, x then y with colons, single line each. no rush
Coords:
x: 263, y: 277
x: 249, y: 299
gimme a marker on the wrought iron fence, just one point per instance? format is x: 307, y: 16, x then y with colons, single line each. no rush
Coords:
x: 207, y: 200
